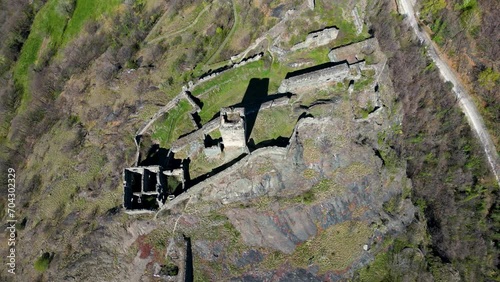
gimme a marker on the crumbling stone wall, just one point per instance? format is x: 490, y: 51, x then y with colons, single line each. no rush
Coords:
x: 193, y: 192
x: 214, y: 124
x: 216, y: 73
x: 318, y: 38
x: 335, y: 73
x: 310, y: 4
x: 182, y: 142
x: 141, y: 184
x: 355, y: 52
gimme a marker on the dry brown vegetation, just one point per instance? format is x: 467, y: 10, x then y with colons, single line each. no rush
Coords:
x: 467, y: 32
x: 451, y: 181
x: 83, y: 104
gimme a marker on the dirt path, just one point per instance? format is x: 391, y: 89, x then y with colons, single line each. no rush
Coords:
x: 229, y: 35
x: 465, y: 101
x: 177, y: 31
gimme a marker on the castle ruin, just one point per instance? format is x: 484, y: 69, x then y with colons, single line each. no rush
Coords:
x: 336, y: 73
x: 317, y: 38
x: 355, y: 52
x: 232, y: 127
x: 147, y: 187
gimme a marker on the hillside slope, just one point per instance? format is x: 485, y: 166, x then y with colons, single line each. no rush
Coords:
x: 363, y: 180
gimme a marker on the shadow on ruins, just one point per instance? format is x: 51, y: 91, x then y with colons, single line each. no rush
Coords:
x: 192, y: 182
x: 189, y: 260
x: 158, y: 177
x: 314, y: 68
x: 154, y: 156
x: 255, y: 95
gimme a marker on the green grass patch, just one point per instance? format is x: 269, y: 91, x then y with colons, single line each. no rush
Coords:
x: 489, y: 78
x: 470, y: 15
x: 180, y: 20
x: 310, y: 173
x: 439, y: 28
x: 50, y: 30
x: 215, y: 134
x: 200, y: 164
x: 317, y: 192
x: 430, y: 8
x: 173, y: 124
x: 326, y: 14
x: 64, y: 176
x: 332, y: 13
x: 273, y: 123
x: 227, y: 34
x: 229, y: 88
x: 311, y: 151
x: 159, y: 239
x: 392, y: 205
x: 364, y: 112
x: 48, y: 25
x: 318, y: 55
x: 367, y: 78
x: 378, y: 270
x: 334, y: 248
x: 87, y: 10
x: 43, y: 262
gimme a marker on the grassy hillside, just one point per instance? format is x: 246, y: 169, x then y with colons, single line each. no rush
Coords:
x: 457, y: 196
x: 55, y: 24
x: 80, y: 77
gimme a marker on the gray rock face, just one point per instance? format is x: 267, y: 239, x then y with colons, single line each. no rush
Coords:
x: 327, y: 187
x: 208, y: 251
x: 346, y: 182
x: 280, y: 231
x: 249, y: 257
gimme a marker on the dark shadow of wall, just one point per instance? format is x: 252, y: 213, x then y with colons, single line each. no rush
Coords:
x: 189, y: 261
x: 314, y: 68
x: 255, y: 95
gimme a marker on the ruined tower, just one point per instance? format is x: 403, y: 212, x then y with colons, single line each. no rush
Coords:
x: 146, y: 188
x: 232, y: 127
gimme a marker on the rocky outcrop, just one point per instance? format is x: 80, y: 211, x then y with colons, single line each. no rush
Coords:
x: 260, y: 229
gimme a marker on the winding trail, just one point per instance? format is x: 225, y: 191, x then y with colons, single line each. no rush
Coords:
x: 465, y: 101
x: 229, y: 35
x: 177, y: 31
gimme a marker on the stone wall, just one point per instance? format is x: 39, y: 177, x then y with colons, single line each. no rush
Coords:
x: 218, y: 72
x: 194, y: 192
x: 318, y: 38
x: 195, y: 106
x: 182, y: 142
x: 210, y: 126
x: 310, y: 4
x: 214, y: 124
x: 354, y: 52
x: 139, y: 182
x: 317, y: 78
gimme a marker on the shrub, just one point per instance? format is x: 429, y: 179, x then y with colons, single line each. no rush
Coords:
x: 43, y: 262
x: 308, y: 197
x: 488, y: 78
x: 169, y: 270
